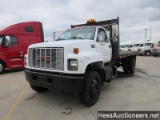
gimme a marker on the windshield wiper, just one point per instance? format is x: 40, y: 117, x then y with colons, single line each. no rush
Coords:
x: 60, y: 39
x: 73, y: 37
x: 80, y: 38
x: 77, y: 38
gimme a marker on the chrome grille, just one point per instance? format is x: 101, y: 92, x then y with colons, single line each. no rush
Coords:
x: 46, y: 58
x: 155, y: 50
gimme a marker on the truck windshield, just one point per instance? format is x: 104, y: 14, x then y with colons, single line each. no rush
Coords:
x: 148, y: 44
x: 1, y: 38
x: 78, y: 33
x: 136, y: 45
x: 126, y: 46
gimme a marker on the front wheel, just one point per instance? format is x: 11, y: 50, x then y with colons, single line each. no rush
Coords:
x: 147, y: 53
x: 2, y: 67
x: 38, y: 88
x: 91, y: 88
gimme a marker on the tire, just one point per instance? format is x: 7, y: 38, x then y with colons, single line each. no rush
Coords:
x: 132, y: 65
x: 38, y: 88
x: 155, y: 55
x: 148, y: 53
x: 91, y: 88
x: 125, y: 66
x: 2, y: 67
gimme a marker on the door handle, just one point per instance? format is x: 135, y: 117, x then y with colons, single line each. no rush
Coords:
x: 102, y: 43
x: 110, y: 46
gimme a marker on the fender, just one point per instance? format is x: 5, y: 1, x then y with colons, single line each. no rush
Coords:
x: 88, y: 58
x: 84, y: 59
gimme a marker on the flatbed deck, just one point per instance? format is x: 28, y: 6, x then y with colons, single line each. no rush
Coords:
x: 124, y: 54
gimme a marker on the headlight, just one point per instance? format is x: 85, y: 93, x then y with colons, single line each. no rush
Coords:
x: 72, y: 64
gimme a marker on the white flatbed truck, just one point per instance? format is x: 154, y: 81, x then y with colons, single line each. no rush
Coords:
x: 80, y: 60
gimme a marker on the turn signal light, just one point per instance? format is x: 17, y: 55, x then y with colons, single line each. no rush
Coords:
x: 75, y: 50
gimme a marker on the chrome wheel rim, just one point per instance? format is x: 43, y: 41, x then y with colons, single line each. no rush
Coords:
x: 148, y: 53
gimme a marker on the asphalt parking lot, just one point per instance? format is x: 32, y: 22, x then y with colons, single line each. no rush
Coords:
x: 140, y: 91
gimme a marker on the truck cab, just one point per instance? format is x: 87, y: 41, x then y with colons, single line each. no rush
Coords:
x: 14, y: 42
x: 130, y: 47
x: 156, y: 50
x: 126, y: 47
x: 145, y: 48
x: 135, y: 47
x: 121, y: 47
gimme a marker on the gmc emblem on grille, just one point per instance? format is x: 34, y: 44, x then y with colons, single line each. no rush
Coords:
x: 43, y: 58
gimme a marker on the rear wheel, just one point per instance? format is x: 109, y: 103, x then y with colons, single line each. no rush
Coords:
x: 38, y: 88
x: 132, y: 65
x: 125, y: 66
x: 91, y: 88
x: 2, y: 67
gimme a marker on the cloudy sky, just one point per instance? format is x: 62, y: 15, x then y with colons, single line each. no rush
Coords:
x: 58, y: 15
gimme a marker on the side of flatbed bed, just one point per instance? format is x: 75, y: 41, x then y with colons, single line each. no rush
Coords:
x: 124, y: 54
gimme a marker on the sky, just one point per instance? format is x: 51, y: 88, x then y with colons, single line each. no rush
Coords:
x: 58, y: 15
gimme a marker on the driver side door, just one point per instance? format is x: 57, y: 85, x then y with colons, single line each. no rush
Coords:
x: 11, y: 51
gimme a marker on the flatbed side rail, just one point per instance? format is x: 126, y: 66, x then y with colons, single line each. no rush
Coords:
x: 125, y: 55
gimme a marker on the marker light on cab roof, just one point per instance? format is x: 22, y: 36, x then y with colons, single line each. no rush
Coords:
x: 91, y: 20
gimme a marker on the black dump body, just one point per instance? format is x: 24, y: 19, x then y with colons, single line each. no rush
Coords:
x: 108, y: 26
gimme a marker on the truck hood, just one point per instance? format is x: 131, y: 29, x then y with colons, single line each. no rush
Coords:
x: 82, y: 44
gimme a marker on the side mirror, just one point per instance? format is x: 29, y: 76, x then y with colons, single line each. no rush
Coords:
x: 115, y: 31
x: 57, y: 34
x: 152, y: 45
x: 141, y: 45
x: 6, y: 41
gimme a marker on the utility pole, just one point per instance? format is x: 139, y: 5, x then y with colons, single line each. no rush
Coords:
x: 150, y: 33
x: 146, y: 33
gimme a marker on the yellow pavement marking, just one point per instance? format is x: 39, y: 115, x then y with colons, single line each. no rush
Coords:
x: 16, y: 102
